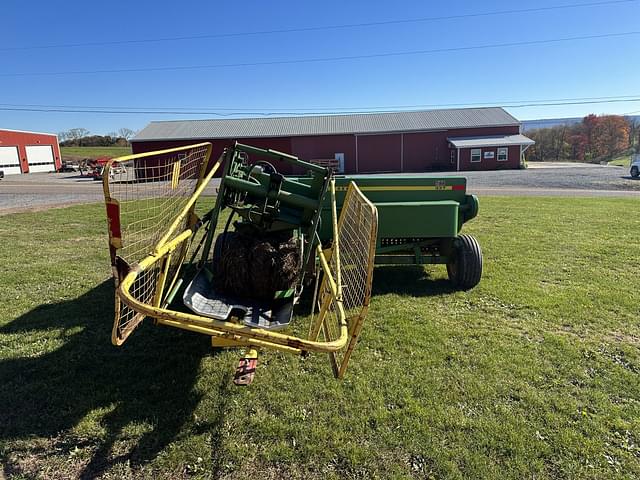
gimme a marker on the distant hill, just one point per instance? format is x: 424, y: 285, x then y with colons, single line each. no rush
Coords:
x: 554, y: 122
x: 549, y: 123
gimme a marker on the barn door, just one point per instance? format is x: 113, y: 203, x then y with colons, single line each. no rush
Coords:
x: 40, y: 158
x: 9, y: 160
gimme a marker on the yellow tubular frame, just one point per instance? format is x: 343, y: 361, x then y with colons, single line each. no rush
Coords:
x: 257, y: 336
x: 232, y: 331
x: 136, y: 156
x: 188, y: 210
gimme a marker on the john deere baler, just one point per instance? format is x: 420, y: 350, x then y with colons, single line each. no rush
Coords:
x: 419, y: 221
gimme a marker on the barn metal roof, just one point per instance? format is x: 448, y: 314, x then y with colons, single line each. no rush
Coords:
x: 362, y: 123
x: 27, y: 131
x: 490, y: 141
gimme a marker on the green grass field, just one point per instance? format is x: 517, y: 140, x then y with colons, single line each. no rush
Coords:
x: 533, y: 374
x: 93, y: 152
x: 623, y: 161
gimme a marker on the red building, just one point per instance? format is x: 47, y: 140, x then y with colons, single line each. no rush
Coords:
x: 454, y: 139
x: 28, y: 152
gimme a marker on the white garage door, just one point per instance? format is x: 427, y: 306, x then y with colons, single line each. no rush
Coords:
x: 9, y: 160
x: 40, y: 158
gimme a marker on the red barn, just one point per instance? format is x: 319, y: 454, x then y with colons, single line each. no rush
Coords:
x: 419, y: 141
x: 28, y: 152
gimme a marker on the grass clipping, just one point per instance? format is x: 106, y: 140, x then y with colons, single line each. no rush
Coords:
x: 253, y: 266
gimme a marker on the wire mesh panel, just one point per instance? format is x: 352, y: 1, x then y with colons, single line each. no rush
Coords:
x: 357, y: 231
x: 145, y: 194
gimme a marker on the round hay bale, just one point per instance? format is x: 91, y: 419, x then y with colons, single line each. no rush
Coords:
x: 263, y: 266
x: 257, y: 266
x: 230, y: 272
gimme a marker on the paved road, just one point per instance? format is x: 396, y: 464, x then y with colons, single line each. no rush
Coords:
x: 552, y: 179
x: 564, y: 179
x: 40, y: 191
x: 43, y: 190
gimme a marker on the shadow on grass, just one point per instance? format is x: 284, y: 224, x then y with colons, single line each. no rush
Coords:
x: 411, y: 280
x: 148, y: 384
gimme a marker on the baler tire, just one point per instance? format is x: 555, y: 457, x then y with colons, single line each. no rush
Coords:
x: 465, y: 270
x: 635, y: 172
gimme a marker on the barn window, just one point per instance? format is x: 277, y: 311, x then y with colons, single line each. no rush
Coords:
x: 503, y: 154
x: 475, y: 154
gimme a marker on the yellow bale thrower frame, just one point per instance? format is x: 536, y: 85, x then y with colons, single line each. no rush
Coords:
x: 155, y: 237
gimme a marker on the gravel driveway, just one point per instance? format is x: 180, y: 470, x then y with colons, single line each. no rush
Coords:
x: 554, y: 179
x: 44, y: 190
x: 39, y: 191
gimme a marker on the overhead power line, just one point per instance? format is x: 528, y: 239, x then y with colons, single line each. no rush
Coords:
x: 326, y: 59
x: 321, y: 28
x: 229, y: 114
x: 316, y: 109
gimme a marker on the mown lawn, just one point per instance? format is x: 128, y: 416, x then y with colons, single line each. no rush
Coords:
x: 623, y: 161
x: 94, y: 152
x: 533, y: 374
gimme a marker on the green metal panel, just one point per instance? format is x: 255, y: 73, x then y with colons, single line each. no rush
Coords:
x: 427, y: 219
x: 418, y: 215
x: 406, y: 188
x: 437, y: 222
x: 401, y: 188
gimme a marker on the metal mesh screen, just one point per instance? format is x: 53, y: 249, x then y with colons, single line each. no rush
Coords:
x: 357, y: 231
x: 146, y: 194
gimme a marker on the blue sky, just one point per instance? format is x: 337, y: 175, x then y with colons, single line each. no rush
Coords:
x: 601, y: 67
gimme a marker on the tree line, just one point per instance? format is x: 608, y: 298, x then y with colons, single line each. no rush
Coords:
x: 597, y: 138
x: 81, y: 137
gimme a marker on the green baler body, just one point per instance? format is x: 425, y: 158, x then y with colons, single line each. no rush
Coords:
x: 419, y: 216
x: 407, y: 219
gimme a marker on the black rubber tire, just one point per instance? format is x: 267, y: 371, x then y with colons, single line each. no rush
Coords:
x: 635, y: 172
x: 465, y: 270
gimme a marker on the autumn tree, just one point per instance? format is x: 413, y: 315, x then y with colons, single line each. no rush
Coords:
x: 611, y: 136
x: 541, y: 150
x: 578, y: 142
x: 551, y: 144
x: 589, y: 126
x: 559, y: 144
x: 595, y: 138
x: 634, y: 133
